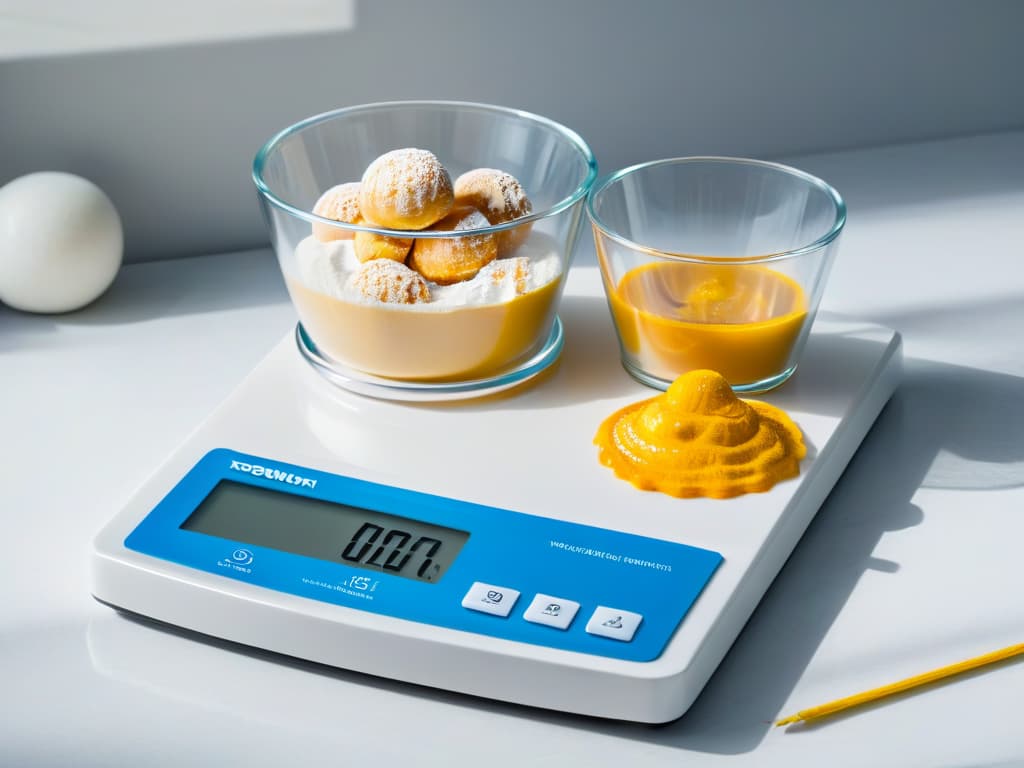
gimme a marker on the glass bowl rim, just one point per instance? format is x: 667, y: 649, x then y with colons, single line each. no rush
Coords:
x: 834, y: 231
x: 581, y: 191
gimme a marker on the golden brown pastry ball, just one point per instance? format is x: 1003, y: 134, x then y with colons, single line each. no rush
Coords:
x: 340, y: 203
x: 369, y: 246
x: 454, y: 259
x: 406, y: 189
x: 391, y: 282
x: 500, y: 197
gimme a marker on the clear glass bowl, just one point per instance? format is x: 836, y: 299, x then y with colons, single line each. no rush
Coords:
x: 714, y: 263
x: 382, y: 348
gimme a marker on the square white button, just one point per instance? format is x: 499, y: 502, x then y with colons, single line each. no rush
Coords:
x: 553, y: 611
x: 614, y: 623
x: 488, y: 598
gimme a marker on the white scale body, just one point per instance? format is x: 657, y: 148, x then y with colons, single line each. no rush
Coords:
x: 569, y: 589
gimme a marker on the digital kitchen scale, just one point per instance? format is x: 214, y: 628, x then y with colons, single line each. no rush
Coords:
x: 478, y: 547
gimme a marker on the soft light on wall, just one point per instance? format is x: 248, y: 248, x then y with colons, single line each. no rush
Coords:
x: 53, y: 27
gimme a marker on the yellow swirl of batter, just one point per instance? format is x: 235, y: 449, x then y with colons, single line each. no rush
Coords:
x: 699, y: 439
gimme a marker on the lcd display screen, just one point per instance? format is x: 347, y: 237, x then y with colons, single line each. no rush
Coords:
x: 325, y: 530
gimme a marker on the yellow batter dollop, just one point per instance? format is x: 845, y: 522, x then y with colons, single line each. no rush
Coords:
x: 699, y: 439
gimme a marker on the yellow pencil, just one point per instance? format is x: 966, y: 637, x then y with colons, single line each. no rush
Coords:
x: 874, y: 694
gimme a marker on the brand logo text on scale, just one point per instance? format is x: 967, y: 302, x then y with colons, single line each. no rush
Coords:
x: 257, y: 470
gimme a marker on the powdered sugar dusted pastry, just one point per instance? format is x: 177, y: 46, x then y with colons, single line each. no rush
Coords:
x: 501, y: 198
x: 454, y: 259
x: 369, y: 246
x: 340, y: 203
x: 390, y: 282
x: 406, y: 189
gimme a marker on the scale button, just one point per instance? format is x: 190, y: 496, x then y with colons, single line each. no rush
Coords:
x: 614, y: 623
x: 488, y: 598
x: 553, y: 611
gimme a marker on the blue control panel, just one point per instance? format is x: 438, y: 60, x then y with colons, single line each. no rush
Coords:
x: 512, y: 575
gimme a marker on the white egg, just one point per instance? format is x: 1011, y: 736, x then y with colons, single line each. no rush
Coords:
x: 61, y: 242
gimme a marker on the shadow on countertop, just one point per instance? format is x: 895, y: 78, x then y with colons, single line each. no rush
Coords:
x: 186, y: 286
x: 152, y: 290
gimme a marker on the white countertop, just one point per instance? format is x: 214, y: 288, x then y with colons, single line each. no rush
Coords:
x: 913, y: 562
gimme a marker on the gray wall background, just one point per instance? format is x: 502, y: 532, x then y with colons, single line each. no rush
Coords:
x: 170, y: 132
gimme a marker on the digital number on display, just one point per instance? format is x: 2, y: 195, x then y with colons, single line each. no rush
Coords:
x: 392, y: 554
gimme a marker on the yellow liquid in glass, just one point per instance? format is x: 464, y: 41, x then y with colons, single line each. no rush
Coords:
x: 741, y: 321
x: 399, y: 342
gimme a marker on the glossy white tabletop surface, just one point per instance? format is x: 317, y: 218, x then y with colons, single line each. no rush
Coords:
x: 913, y: 562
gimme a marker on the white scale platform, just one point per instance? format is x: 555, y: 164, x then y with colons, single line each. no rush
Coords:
x: 529, y: 450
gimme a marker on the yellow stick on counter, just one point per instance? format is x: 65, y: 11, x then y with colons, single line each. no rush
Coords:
x: 874, y: 694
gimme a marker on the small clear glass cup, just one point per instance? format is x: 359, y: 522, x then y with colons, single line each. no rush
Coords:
x: 714, y: 263
x: 396, y: 349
